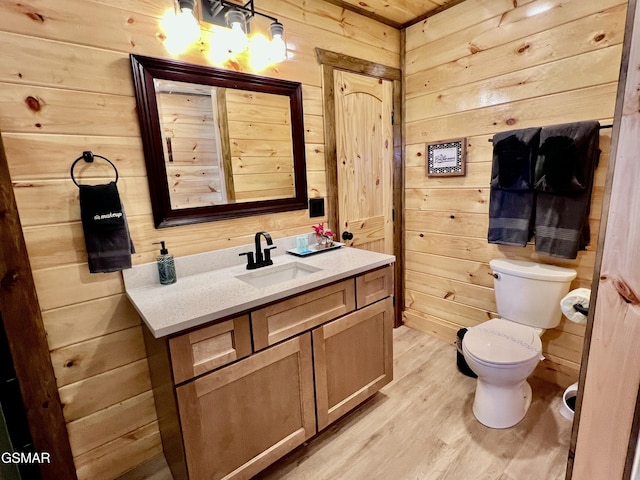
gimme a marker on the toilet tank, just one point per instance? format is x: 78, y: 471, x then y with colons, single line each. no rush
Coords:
x: 529, y: 293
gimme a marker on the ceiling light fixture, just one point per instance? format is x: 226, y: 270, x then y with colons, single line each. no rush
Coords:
x: 238, y: 18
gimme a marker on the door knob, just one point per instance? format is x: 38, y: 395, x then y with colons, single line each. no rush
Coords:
x: 347, y: 235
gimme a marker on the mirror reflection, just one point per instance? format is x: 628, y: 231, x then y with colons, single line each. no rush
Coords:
x: 218, y: 144
x: 224, y: 145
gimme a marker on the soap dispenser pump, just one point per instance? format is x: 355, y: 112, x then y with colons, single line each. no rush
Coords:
x: 166, y: 265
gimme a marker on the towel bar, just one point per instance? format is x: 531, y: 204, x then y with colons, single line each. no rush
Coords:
x: 601, y: 127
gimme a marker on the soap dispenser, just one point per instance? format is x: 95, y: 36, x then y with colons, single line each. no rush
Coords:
x: 166, y: 265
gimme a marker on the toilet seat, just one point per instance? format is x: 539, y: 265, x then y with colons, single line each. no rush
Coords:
x: 503, y: 343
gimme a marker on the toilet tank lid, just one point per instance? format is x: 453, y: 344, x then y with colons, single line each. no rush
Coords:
x: 536, y: 271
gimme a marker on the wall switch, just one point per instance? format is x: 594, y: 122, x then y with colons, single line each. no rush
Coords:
x: 316, y: 207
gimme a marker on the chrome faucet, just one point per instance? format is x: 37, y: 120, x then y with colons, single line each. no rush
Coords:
x: 262, y: 258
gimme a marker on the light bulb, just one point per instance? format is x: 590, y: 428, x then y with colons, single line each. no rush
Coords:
x: 260, y: 52
x: 237, y: 40
x: 278, y: 48
x: 182, y: 29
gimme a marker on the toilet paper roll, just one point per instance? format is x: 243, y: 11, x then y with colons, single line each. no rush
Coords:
x: 579, y: 295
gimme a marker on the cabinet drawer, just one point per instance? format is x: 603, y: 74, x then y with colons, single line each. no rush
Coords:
x: 208, y: 348
x: 295, y: 315
x: 374, y: 286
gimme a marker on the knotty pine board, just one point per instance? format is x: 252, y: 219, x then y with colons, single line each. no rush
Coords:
x: 585, y: 104
x: 457, y: 19
x: 603, y: 29
x: 121, y: 454
x: 532, y: 82
x: 81, y: 399
x: 111, y: 423
x: 517, y: 23
x: 82, y: 321
x: 98, y: 355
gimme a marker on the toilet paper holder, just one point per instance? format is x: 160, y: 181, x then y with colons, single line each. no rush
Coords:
x: 580, y: 309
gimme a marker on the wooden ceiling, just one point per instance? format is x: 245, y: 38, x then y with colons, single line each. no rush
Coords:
x: 397, y: 13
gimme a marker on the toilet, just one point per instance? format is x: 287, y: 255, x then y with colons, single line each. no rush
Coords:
x: 504, y: 351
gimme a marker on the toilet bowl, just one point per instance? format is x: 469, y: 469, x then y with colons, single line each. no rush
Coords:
x: 504, y: 351
x: 503, y: 354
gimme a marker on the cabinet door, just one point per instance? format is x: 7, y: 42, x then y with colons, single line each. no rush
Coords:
x: 353, y: 359
x: 207, y: 348
x: 241, y: 418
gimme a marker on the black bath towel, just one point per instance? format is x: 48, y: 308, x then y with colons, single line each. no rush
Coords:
x: 106, y: 233
x: 512, y: 199
x: 567, y: 160
x: 514, y: 159
x: 510, y: 217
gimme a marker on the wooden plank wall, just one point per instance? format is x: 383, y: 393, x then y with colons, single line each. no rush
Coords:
x: 261, y: 145
x: 65, y: 87
x: 476, y: 69
x: 194, y: 165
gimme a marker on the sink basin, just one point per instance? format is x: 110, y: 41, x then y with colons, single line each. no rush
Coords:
x: 268, y: 276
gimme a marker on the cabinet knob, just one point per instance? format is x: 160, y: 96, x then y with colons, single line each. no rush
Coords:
x: 346, y: 235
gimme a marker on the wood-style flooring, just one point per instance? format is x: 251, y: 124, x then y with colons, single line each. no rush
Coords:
x: 421, y: 427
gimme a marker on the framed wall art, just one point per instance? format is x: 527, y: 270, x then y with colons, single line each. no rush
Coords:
x: 446, y: 159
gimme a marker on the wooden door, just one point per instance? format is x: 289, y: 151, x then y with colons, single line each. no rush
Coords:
x: 608, y: 402
x: 241, y: 418
x: 353, y: 359
x: 364, y: 149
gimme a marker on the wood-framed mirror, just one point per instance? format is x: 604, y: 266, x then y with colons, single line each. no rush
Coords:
x: 218, y: 144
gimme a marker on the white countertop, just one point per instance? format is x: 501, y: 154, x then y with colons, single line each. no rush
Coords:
x: 207, y: 288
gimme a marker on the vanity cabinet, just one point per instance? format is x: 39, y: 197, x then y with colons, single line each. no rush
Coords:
x: 235, y: 395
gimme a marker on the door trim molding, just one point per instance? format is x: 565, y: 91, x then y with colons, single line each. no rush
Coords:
x: 27, y: 339
x: 331, y: 61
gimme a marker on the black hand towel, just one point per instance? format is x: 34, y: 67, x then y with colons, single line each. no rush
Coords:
x: 564, y: 171
x: 511, y: 199
x: 106, y: 233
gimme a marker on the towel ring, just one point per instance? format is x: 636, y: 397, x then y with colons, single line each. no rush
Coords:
x: 88, y: 157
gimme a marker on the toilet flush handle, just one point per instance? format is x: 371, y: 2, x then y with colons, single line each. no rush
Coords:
x: 494, y: 275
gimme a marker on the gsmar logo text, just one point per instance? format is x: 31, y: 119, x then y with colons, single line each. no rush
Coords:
x: 25, y: 457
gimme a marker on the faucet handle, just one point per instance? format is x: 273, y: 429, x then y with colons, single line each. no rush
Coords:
x: 250, y: 263
x: 267, y: 255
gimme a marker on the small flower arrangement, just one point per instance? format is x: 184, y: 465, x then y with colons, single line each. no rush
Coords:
x: 323, y: 234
